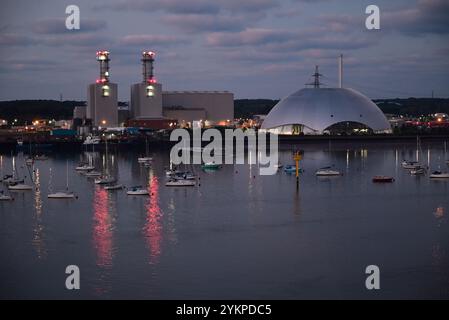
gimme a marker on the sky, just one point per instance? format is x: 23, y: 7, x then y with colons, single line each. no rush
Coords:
x: 253, y: 48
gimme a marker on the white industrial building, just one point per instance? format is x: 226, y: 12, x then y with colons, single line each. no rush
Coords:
x: 102, y: 100
x: 326, y: 110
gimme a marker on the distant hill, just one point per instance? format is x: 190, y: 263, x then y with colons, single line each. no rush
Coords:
x: 29, y: 110
x: 246, y: 108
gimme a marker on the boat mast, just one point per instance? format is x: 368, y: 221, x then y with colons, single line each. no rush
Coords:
x: 67, y: 174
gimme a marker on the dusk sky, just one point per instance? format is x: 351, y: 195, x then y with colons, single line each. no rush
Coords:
x: 253, y: 48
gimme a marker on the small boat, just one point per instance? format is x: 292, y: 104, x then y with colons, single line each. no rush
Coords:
x: 171, y: 173
x: 144, y: 159
x: 113, y: 187
x: 137, y: 191
x: 61, y: 195
x: 41, y: 158
x: 410, y: 164
x: 291, y: 169
x: 210, y: 166
x: 439, y: 175
x: 4, y: 197
x: 92, y: 140
x: 19, y: 142
x: 20, y: 187
x: 418, y: 171
x: 184, y: 176
x: 383, y: 179
x: 92, y: 174
x: 180, y: 183
x: 327, y: 172
x: 84, y: 167
x: 105, y: 180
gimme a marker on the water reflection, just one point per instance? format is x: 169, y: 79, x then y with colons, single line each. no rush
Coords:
x: 103, y: 228
x: 153, y: 226
x: 38, y: 228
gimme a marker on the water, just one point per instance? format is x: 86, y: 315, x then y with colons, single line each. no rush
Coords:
x: 238, y: 235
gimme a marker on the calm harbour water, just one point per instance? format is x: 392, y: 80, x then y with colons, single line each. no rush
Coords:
x: 237, y: 235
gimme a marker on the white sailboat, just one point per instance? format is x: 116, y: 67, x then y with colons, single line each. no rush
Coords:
x: 147, y: 159
x: 180, y: 183
x: 137, y: 191
x: 106, y: 178
x: 114, y: 187
x: 5, y: 197
x: 63, y: 194
x: 17, y: 184
x: 327, y: 172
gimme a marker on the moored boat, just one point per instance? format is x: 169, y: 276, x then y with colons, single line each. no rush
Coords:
x: 180, y: 183
x: 137, y: 191
x: 113, y: 187
x: 210, y: 165
x: 327, y: 172
x: 20, y: 187
x: 383, y: 179
x: 439, y: 175
x: 61, y: 195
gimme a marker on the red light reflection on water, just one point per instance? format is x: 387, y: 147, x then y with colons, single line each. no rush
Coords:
x: 153, y: 226
x: 102, y: 233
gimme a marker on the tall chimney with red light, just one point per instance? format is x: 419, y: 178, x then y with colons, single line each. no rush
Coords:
x: 146, y: 96
x: 147, y: 66
x: 102, y: 100
x: 103, y: 59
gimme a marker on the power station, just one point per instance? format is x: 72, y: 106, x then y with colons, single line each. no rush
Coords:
x: 152, y: 107
x: 102, y: 96
x: 146, y: 96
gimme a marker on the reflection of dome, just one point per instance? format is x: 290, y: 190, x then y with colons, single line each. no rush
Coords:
x: 316, y: 110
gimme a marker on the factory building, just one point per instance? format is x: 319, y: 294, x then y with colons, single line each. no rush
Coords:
x: 320, y: 110
x: 150, y: 105
x: 211, y: 107
x: 102, y: 97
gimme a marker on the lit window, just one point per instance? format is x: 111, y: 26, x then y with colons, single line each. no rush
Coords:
x: 150, y: 91
x: 105, y: 91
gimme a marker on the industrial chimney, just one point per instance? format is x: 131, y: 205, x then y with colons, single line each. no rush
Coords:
x: 103, y: 58
x: 147, y: 66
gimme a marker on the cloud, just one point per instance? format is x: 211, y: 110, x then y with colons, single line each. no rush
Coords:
x: 14, y: 39
x: 206, y: 23
x: 57, y: 26
x: 428, y: 17
x: 146, y: 40
x: 281, y: 39
x: 171, y: 6
x: 190, y: 6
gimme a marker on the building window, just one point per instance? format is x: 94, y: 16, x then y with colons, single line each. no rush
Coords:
x: 150, y: 91
x: 105, y: 91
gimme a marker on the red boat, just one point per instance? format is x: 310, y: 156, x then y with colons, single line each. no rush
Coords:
x: 383, y: 179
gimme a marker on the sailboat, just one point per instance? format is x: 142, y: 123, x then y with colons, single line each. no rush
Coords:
x: 106, y: 178
x: 17, y: 184
x: 87, y: 166
x: 5, y: 197
x: 63, y: 194
x: 137, y: 191
x: 147, y: 159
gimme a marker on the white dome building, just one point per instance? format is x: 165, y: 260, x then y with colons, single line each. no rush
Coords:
x: 325, y: 110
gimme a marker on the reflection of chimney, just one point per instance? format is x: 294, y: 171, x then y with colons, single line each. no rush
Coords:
x: 340, y: 71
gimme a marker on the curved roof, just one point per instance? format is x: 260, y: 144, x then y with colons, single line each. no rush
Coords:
x: 319, y: 108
